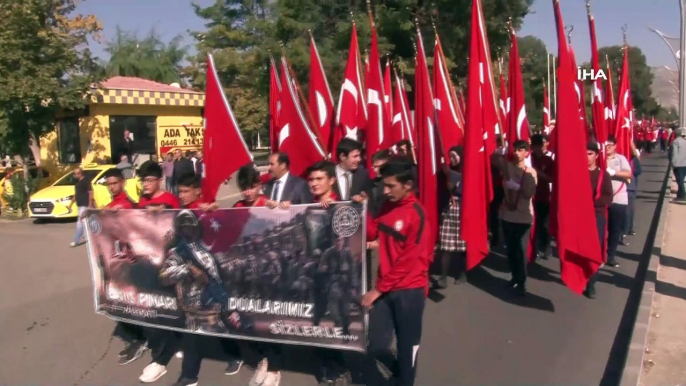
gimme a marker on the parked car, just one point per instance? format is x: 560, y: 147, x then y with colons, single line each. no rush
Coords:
x: 53, y: 201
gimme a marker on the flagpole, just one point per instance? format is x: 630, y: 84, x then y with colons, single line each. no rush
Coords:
x: 555, y: 88
x: 548, y: 57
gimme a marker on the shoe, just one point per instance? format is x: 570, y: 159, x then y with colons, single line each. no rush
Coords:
x: 589, y: 294
x: 623, y: 242
x: 462, y: 279
x: 132, y: 352
x: 512, y: 283
x: 152, y: 372
x: 632, y: 233
x: 344, y: 379
x: 234, y: 367
x: 179, y: 355
x: 442, y: 283
x: 273, y: 379
x: 185, y: 382
x: 260, y: 373
x: 73, y: 244
x: 612, y: 264
x: 520, y: 290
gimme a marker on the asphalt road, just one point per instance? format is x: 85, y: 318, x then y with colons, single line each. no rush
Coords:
x: 473, y: 334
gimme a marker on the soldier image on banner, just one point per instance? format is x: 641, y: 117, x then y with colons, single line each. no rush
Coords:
x: 290, y: 276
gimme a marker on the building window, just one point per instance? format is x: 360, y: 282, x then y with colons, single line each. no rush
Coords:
x: 69, y: 141
x: 132, y: 135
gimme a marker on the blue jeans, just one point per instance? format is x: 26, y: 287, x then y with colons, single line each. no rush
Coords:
x: 78, y: 236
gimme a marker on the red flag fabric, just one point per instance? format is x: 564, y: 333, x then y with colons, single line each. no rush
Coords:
x: 351, y: 116
x: 446, y: 106
x: 597, y: 104
x: 378, y: 116
x: 296, y: 137
x: 400, y: 127
x: 624, y: 123
x: 274, y: 105
x: 321, y: 101
x: 580, y: 93
x: 388, y: 98
x: 577, y: 238
x: 546, y: 111
x: 610, y: 107
x: 224, y: 147
x: 481, y: 119
x: 427, y: 149
x: 411, y: 129
x: 517, y: 122
x: 504, y: 105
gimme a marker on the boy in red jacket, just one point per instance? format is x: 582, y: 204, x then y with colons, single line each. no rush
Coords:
x: 406, y: 248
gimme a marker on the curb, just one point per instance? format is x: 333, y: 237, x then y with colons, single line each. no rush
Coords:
x: 633, y: 366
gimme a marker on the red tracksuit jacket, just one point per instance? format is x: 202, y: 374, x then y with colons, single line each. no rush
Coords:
x: 406, y: 245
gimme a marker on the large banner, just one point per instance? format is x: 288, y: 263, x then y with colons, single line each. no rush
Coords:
x: 289, y: 276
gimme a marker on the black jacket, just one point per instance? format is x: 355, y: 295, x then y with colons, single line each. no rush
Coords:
x: 296, y: 190
x: 181, y: 167
x: 360, y: 183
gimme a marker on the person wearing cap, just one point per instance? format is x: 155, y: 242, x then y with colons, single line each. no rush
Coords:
x: 600, y: 203
x: 678, y: 159
x: 619, y: 169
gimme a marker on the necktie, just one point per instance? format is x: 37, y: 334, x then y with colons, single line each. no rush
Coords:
x: 275, y: 191
x: 348, y: 185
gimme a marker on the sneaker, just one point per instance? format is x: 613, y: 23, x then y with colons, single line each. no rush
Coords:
x: 520, y: 290
x: 632, y: 233
x: 186, y: 382
x: 233, y: 367
x: 612, y: 264
x: 589, y: 294
x: 442, y: 283
x: 179, y: 355
x: 512, y: 283
x: 273, y: 378
x: 132, y: 352
x: 152, y: 372
x: 623, y: 242
x: 73, y: 244
x: 260, y: 373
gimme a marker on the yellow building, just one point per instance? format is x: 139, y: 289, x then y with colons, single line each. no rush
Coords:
x: 126, y: 116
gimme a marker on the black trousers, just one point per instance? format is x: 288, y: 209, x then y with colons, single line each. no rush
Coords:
x: 542, y: 210
x: 615, y: 226
x: 630, y: 211
x: 600, y: 225
x: 679, y: 175
x: 129, y: 333
x: 192, y: 353
x: 400, y: 313
x: 163, y: 343
x: 493, y: 218
x: 516, y: 240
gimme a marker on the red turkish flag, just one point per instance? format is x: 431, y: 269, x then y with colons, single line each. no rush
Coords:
x: 388, y: 98
x: 411, y: 129
x: 446, y: 104
x: 504, y: 106
x: 321, y: 101
x: 479, y: 143
x: 427, y: 141
x: 378, y: 122
x: 274, y: 105
x: 581, y: 95
x: 351, y: 116
x: 517, y: 122
x: 296, y: 137
x: 572, y: 198
x: 400, y: 127
x: 598, y: 103
x: 610, y: 107
x: 224, y: 147
x: 624, y: 123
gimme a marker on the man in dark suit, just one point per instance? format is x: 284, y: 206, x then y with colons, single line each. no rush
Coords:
x: 351, y: 178
x: 285, y: 189
x: 182, y: 166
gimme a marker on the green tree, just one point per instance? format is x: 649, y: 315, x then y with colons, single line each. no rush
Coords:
x: 148, y: 58
x: 640, y: 75
x: 242, y: 33
x: 45, y: 67
x: 533, y: 54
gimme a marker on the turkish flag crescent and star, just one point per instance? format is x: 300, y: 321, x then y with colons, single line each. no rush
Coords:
x: 446, y: 106
x: 427, y: 149
x: 577, y: 238
x: 481, y: 118
x: 224, y: 147
x: 352, y: 107
x: 624, y: 122
x: 400, y: 127
x: 517, y: 122
x: 378, y: 115
x: 321, y: 101
x: 296, y: 137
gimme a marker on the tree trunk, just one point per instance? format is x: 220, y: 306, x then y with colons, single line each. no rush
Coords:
x: 34, y: 146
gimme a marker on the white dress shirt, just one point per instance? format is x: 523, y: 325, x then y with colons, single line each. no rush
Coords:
x: 282, y: 184
x: 342, y: 182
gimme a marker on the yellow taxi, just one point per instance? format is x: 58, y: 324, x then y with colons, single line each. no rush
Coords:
x: 53, y: 201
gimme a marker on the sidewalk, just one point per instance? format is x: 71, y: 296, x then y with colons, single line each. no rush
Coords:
x: 664, y: 362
